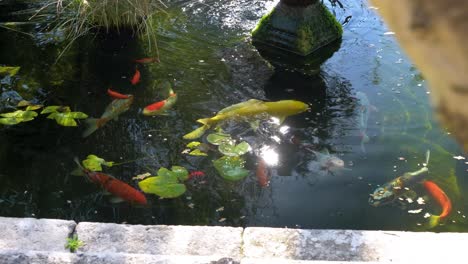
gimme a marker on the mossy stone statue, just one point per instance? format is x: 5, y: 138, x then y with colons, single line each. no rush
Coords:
x: 298, y: 26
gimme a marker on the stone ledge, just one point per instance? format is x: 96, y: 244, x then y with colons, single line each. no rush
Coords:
x: 161, y: 240
x: 48, y: 257
x: 352, y: 245
x: 34, y: 234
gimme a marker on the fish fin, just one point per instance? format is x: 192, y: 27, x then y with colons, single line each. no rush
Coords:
x: 92, y: 124
x: 434, y: 221
x: 204, y: 121
x: 115, y: 199
x: 196, y: 133
x: 77, y: 172
x: 428, y: 155
x: 281, y: 119
x: 255, y: 125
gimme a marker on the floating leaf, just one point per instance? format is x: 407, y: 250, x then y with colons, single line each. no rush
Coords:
x: 165, y: 172
x: 12, y: 71
x: 180, y: 172
x: 33, y: 107
x: 66, y: 118
x: 231, y: 149
x: 56, y: 108
x: 23, y: 103
x: 16, y: 117
x: 198, y: 152
x: 231, y: 168
x: 218, y: 138
x: 142, y: 176
x: 93, y: 163
x: 193, y: 144
x: 164, y: 186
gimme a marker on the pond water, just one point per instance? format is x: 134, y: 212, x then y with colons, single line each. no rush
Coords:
x: 198, y: 43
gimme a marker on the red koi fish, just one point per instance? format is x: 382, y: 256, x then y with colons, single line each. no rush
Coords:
x: 161, y: 107
x: 262, y: 173
x: 115, y: 186
x: 147, y: 60
x: 136, y: 77
x: 195, y: 174
x: 116, y: 95
x: 442, y: 199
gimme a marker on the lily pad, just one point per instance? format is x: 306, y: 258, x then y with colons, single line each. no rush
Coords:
x: 180, y: 172
x: 231, y: 168
x: 94, y: 163
x: 231, y: 149
x: 218, y: 138
x: 8, y: 70
x: 164, y: 186
x: 16, y: 117
x: 63, y: 115
x: 55, y: 108
x: 193, y: 144
x: 197, y: 152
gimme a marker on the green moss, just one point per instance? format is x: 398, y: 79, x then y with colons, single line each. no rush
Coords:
x: 305, y: 39
x: 262, y: 24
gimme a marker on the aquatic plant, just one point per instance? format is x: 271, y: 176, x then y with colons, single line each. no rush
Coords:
x: 9, y: 70
x: 73, y: 243
x: 63, y: 115
x: 17, y: 117
x: 167, y: 183
x: 94, y: 163
x: 231, y: 168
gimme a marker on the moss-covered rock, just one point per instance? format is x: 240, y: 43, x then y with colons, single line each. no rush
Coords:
x: 300, y: 30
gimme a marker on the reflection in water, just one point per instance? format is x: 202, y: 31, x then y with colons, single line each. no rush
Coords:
x: 196, y: 41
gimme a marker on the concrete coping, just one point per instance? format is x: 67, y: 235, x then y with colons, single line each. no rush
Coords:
x: 28, y: 240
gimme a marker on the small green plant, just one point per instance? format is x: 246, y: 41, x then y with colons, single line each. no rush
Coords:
x: 73, y: 243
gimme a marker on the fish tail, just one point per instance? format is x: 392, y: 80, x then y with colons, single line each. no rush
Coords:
x: 197, y: 132
x: 434, y: 221
x: 79, y: 170
x: 92, y: 124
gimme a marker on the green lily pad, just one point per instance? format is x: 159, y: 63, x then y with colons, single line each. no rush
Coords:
x: 193, y: 144
x: 63, y: 115
x: 231, y: 168
x: 218, y: 138
x: 164, y: 186
x: 231, y: 149
x: 33, y: 107
x: 165, y: 172
x: 16, y: 117
x: 55, y: 108
x: 180, y: 172
x: 197, y: 152
x: 12, y: 71
x: 94, y: 163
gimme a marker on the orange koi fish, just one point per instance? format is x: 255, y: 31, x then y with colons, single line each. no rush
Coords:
x: 195, y: 174
x: 116, y: 95
x: 161, y: 107
x: 442, y: 199
x: 136, y: 77
x: 262, y: 173
x: 114, y: 186
x: 147, y: 60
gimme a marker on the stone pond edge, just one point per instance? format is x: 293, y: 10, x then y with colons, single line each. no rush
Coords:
x: 30, y: 240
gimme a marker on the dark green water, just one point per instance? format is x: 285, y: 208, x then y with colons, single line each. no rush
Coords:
x: 36, y: 157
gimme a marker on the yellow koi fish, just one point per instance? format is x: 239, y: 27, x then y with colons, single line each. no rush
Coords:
x: 251, y: 108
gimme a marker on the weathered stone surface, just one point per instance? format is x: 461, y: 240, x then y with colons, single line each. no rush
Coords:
x: 289, y: 261
x: 160, y: 240
x: 433, y: 33
x: 45, y: 257
x: 347, y: 245
x: 34, y: 234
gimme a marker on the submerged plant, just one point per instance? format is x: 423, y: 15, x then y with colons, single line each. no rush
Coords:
x: 73, y: 243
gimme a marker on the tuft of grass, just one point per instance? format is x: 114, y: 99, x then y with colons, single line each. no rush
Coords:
x: 73, y: 243
x: 77, y: 18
